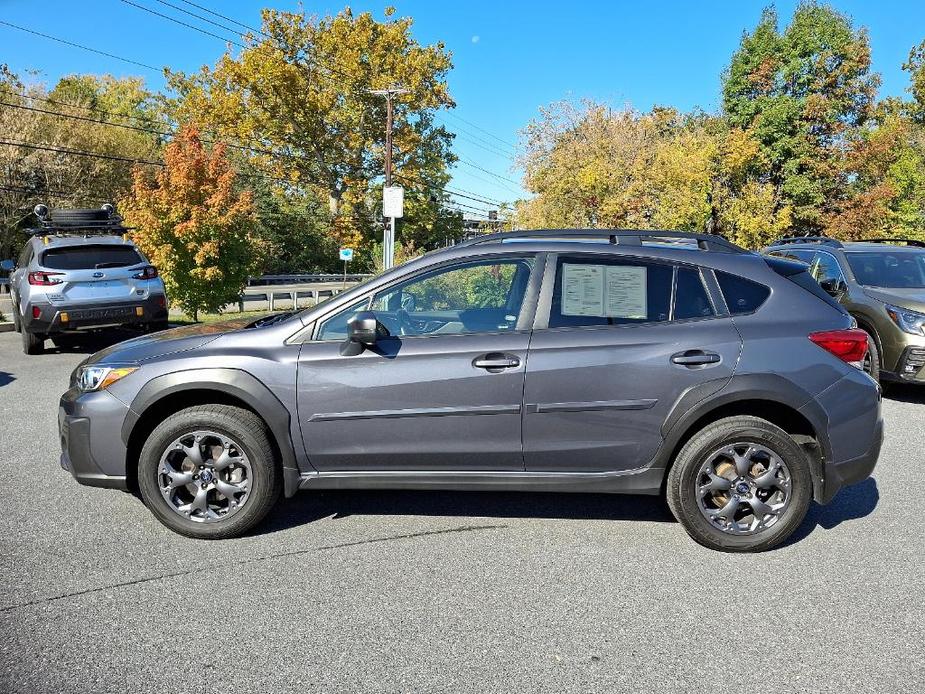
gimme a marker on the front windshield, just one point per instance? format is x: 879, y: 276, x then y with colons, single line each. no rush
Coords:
x: 894, y: 270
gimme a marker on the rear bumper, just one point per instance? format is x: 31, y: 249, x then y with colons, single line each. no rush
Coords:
x: 51, y: 317
x: 102, y: 462
x: 849, y: 424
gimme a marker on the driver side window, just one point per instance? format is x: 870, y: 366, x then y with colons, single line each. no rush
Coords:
x: 477, y: 297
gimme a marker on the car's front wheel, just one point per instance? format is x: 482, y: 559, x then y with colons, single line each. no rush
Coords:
x: 741, y: 484
x: 209, y: 471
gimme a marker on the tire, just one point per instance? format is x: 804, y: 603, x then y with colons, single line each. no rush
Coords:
x: 32, y: 343
x: 685, y: 479
x: 17, y: 322
x: 250, y: 441
x: 872, y: 359
x: 156, y: 326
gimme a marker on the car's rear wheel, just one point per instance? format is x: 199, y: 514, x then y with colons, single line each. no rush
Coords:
x: 871, y: 363
x: 209, y: 471
x: 17, y: 321
x: 741, y: 484
x: 32, y: 343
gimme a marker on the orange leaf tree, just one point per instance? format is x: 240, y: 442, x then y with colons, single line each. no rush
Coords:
x: 194, y: 225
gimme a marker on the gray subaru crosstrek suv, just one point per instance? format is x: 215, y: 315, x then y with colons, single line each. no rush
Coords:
x: 573, y: 361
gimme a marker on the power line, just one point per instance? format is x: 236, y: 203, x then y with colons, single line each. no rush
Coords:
x: 201, y: 18
x: 81, y: 153
x: 461, y: 192
x: 487, y: 132
x: 473, y: 165
x: 182, y: 23
x: 81, y: 46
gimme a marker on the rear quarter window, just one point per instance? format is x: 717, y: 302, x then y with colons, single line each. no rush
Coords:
x: 741, y: 295
x: 90, y: 257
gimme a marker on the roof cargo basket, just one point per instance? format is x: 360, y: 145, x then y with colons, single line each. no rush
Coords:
x: 78, y: 222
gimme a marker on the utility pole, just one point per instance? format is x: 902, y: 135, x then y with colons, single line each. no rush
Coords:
x: 388, y: 234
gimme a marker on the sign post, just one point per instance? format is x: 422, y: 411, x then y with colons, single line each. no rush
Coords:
x: 346, y: 254
x: 393, y: 207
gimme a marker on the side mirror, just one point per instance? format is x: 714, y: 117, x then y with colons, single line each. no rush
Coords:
x: 362, y: 332
x: 833, y: 287
x: 7, y: 265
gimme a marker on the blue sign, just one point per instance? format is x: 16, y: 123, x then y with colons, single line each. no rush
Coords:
x: 346, y: 254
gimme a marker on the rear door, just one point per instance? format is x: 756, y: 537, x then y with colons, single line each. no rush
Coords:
x: 618, y: 341
x: 95, y: 273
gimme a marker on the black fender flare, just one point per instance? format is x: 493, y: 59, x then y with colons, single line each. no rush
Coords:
x: 236, y: 383
x: 698, y: 402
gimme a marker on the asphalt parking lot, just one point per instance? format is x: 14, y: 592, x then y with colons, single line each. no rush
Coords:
x: 445, y: 592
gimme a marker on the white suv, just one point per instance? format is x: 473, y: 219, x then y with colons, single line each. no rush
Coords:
x: 79, y: 272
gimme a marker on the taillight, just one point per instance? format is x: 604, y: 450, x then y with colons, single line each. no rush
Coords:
x: 161, y: 300
x: 44, y: 279
x: 36, y: 312
x: 848, y: 345
x: 149, y: 272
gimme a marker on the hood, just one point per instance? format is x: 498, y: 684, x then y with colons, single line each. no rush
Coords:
x: 169, y: 341
x: 912, y: 299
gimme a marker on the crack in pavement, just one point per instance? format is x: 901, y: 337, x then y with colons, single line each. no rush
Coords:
x: 245, y: 562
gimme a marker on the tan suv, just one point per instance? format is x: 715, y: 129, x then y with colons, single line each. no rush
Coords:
x: 881, y: 282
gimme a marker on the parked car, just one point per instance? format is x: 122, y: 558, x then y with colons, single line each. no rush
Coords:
x: 575, y: 361
x: 78, y: 272
x: 881, y: 282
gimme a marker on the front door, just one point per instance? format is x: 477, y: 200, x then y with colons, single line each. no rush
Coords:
x: 625, y: 339
x: 443, y: 392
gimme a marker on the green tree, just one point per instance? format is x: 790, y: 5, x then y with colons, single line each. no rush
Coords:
x: 194, y: 225
x: 302, y: 90
x: 805, y: 93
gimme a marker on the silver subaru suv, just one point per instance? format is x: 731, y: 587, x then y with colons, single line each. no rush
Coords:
x: 78, y: 272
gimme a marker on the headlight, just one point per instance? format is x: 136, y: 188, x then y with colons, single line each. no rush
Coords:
x: 100, y: 377
x: 908, y: 321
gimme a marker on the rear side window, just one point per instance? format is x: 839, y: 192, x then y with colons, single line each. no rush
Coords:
x: 603, y: 291
x: 742, y: 295
x: 90, y: 257
x: 691, y: 300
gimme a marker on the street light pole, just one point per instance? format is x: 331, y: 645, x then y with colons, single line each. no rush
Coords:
x: 388, y: 234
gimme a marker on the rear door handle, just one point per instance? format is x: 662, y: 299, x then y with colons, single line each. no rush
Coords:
x: 496, y: 362
x: 695, y: 357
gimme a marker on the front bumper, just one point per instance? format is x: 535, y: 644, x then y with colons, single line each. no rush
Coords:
x: 98, y: 461
x: 910, y: 368
x: 55, y: 318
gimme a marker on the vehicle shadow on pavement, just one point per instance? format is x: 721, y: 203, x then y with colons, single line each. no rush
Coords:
x: 88, y: 343
x: 307, y: 507
x: 851, y: 503
x: 6, y: 378
x: 906, y: 393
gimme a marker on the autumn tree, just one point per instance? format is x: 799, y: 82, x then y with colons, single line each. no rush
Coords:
x: 194, y: 225
x: 301, y: 89
x: 804, y: 93
x: 85, y: 113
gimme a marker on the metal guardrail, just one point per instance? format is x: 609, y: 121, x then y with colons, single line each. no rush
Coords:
x: 265, y: 280
x: 313, y: 292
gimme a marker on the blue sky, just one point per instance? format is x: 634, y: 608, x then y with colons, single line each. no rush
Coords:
x: 510, y: 57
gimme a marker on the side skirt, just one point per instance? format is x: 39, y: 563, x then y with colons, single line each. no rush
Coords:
x: 641, y: 481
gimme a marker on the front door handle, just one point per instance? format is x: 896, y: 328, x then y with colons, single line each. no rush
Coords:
x: 496, y: 362
x: 695, y: 357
